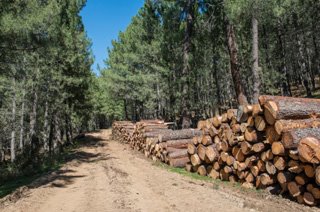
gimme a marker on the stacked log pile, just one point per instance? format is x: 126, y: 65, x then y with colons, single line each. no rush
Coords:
x: 122, y: 130
x: 156, y: 141
x: 273, y: 145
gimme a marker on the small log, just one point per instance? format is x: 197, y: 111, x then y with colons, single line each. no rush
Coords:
x: 192, y: 149
x: 285, y: 177
x: 206, y: 140
x: 211, y: 153
x: 246, y: 148
x: 294, y: 189
x: 260, y: 123
x: 230, y: 160
x: 255, y: 171
x: 272, y: 135
x: 308, y: 198
x: 301, y: 179
x: 267, y: 155
x: 214, y: 174
x: 258, y: 147
x: 277, y: 148
x: 224, y: 156
x: 295, y: 167
x: 261, y: 165
x: 316, y: 193
x: 271, y: 169
x: 216, y: 166
x: 256, y: 110
x: 266, y: 179
x: 279, y: 163
x: 251, y: 135
x: 188, y: 167
x: 309, y: 170
x: 195, y: 160
x: 202, y: 170
x: 201, y: 150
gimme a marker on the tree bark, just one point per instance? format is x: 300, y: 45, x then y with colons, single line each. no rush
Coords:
x: 235, y: 69
x: 291, y: 108
x: 255, y: 59
x: 185, y: 100
x: 291, y: 139
x: 21, y: 142
x: 13, y: 120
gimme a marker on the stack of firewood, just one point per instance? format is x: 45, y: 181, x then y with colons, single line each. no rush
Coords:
x: 171, y: 147
x: 146, y: 129
x: 274, y: 144
x: 122, y: 130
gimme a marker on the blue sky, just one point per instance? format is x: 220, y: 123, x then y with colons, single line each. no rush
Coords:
x: 104, y: 19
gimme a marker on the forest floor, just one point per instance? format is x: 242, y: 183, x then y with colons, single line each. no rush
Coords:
x: 104, y: 175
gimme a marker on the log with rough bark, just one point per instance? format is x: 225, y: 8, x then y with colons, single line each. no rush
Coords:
x: 179, y: 134
x: 286, y: 125
x: 291, y: 139
x: 287, y: 108
x: 179, y: 162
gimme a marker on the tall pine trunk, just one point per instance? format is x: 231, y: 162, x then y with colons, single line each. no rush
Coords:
x: 235, y: 69
x: 21, y: 141
x: 255, y: 59
x: 13, y: 132
x: 185, y: 101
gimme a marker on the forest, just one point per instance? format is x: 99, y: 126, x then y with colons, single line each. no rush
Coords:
x: 195, y: 58
x: 46, y: 79
x: 181, y: 61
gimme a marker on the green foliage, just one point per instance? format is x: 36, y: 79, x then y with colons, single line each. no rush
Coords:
x: 144, y: 78
x: 46, y: 80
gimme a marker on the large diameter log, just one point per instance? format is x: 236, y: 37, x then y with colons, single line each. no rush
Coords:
x: 179, y: 134
x: 179, y: 162
x: 291, y: 139
x: 286, y: 108
x: 286, y: 125
x: 309, y: 149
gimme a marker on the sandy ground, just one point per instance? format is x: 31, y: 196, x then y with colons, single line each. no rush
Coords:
x: 105, y: 175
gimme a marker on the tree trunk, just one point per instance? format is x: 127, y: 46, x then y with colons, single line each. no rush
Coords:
x: 21, y: 143
x: 185, y: 99
x: 45, y: 128
x: 255, y: 59
x: 13, y: 132
x: 235, y: 69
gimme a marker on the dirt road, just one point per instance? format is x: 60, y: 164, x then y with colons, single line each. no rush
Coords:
x: 105, y: 175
